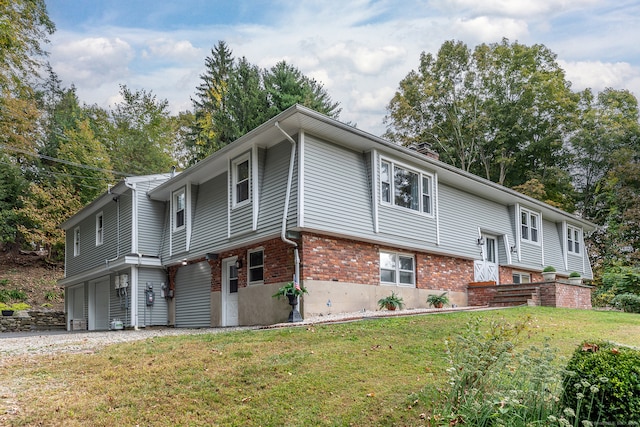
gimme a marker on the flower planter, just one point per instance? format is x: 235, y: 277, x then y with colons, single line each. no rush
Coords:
x: 549, y: 276
x: 390, y: 307
x: 7, y: 312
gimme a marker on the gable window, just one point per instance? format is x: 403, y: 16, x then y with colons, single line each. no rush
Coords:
x: 241, y: 178
x: 179, y: 206
x: 573, y: 240
x: 99, y: 229
x: 404, y: 187
x: 519, y: 277
x: 397, y: 269
x: 76, y: 241
x: 529, y: 225
x: 256, y: 266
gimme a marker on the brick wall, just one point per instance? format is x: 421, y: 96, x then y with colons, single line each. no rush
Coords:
x: 326, y: 258
x: 278, y: 263
x: 560, y: 294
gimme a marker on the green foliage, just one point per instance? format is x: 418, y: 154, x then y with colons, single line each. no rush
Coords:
x: 491, y: 384
x: 602, y: 383
x: 235, y: 96
x: 290, y: 289
x: 438, y: 300
x: 393, y: 301
x: 574, y: 274
x: 549, y: 269
x: 7, y: 295
x: 629, y: 303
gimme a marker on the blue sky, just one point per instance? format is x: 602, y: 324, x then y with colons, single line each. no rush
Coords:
x: 359, y: 49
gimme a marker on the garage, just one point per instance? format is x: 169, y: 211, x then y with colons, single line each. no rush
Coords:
x: 192, y: 296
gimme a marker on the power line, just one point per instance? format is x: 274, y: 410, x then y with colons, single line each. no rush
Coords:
x: 67, y: 162
x: 51, y: 173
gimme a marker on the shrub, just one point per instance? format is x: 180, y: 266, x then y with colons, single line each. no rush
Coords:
x: 627, y: 302
x: 602, y: 383
x: 7, y: 295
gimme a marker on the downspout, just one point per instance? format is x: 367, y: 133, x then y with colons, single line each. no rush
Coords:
x: 133, y: 277
x: 285, y: 214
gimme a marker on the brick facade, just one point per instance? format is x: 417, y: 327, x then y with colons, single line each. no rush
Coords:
x: 326, y: 258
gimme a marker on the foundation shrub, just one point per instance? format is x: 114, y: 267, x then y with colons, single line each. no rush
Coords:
x: 602, y: 383
x: 629, y: 303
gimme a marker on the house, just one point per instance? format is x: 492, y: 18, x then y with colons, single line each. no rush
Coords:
x: 355, y: 216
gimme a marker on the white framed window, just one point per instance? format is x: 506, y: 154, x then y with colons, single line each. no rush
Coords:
x: 397, y: 269
x: 574, y: 237
x: 529, y: 226
x: 76, y: 241
x: 241, y: 178
x: 179, y: 209
x: 521, y: 277
x: 256, y: 266
x: 406, y: 187
x: 99, y: 229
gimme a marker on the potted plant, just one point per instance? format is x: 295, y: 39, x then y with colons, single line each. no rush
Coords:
x: 292, y: 291
x: 8, y: 310
x: 391, y: 302
x: 549, y: 274
x: 575, y: 278
x: 438, y: 301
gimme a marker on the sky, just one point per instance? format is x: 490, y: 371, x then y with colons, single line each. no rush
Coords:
x: 358, y: 49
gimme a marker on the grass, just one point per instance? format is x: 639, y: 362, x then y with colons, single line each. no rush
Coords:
x: 361, y: 373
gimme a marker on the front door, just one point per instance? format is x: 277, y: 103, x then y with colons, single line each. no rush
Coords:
x: 487, y: 269
x: 99, y: 304
x: 229, y: 292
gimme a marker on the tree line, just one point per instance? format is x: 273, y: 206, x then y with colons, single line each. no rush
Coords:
x: 504, y: 111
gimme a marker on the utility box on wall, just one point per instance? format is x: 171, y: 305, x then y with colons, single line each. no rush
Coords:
x: 78, y: 325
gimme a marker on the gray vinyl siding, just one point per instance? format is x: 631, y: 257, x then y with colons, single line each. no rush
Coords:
x: 156, y: 315
x: 119, y: 305
x: 193, y: 296
x: 92, y: 256
x: 337, y: 196
x: 210, y: 222
x: 462, y: 214
x: 553, y: 245
x: 151, y: 220
x: 273, y: 187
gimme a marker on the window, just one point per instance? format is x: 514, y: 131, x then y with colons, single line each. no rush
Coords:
x: 179, y: 204
x: 241, y: 175
x: 397, y: 269
x: 99, y: 229
x: 256, y: 266
x: 573, y: 240
x: 529, y: 223
x: 410, y: 189
x: 519, y: 277
x: 76, y: 241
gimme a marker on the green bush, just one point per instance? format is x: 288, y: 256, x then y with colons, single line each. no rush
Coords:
x: 627, y: 302
x: 7, y: 295
x: 602, y: 384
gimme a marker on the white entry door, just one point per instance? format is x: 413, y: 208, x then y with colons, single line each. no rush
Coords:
x: 229, y: 292
x: 99, y: 304
x: 487, y: 269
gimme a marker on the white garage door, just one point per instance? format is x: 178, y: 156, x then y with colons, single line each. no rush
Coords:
x: 193, y: 296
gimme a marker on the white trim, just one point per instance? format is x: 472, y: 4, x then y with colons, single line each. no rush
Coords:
x: 76, y: 241
x: 539, y: 227
x: 507, y: 248
x: 100, y: 230
x: 436, y: 207
x: 249, y: 252
x: 253, y: 177
x: 187, y: 214
x: 174, y: 208
x: 246, y: 157
x: 375, y: 188
x: 397, y: 256
x: 421, y: 173
x: 301, y: 172
x: 134, y: 218
x: 133, y: 294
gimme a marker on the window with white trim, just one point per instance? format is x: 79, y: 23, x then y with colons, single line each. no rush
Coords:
x: 529, y: 226
x: 520, y: 277
x: 99, y: 229
x: 397, y: 269
x: 256, y: 266
x: 179, y: 209
x: 241, y: 172
x: 76, y: 241
x: 573, y: 240
x: 405, y: 187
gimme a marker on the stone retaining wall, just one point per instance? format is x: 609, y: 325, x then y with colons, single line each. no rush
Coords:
x: 33, y: 321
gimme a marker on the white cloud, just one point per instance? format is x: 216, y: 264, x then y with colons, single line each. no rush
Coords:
x: 92, y: 61
x: 362, y: 59
x: 491, y: 29
x: 599, y: 75
x: 525, y: 9
x: 171, y: 50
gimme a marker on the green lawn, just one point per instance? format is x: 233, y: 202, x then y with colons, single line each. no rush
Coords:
x: 361, y: 373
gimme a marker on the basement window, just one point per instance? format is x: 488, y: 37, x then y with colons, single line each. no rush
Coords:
x: 397, y: 269
x: 256, y: 266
